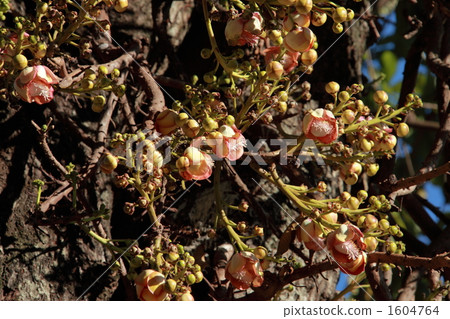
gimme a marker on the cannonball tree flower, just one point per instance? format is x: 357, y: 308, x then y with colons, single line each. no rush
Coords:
x: 195, y: 164
x: 289, y: 59
x: 311, y: 234
x: 244, y: 30
x: 296, y: 19
x: 244, y: 271
x: 299, y: 39
x: 34, y: 84
x: 150, y: 285
x: 165, y: 122
x: 347, y: 246
x: 227, y: 142
x: 320, y: 125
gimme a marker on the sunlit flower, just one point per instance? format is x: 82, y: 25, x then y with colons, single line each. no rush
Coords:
x: 299, y: 40
x: 34, y: 84
x: 311, y: 234
x: 227, y: 142
x: 243, y: 30
x: 289, y: 60
x: 320, y: 125
x: 244, y: 271
x: 347, y: 246
x: 150, y: 285
x: 165, y: 122
x: 195, y: 164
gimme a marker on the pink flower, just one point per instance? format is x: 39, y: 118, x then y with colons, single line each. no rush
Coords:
x: 244, y: 271
x: 243, y: 30
x: 150, y: 285
x: 165, y: 122
x: 34, y: 84
x: 195, y: 164
x: 311, y: 234
x: 296, y: 19
x: 320, y: 125
x: 299, y: 40
x: 289, y: 60
x: 347, y: 246
x: 227, y: 142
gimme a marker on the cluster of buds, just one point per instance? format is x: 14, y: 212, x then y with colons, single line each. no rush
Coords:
x: 94, y: 81
x: 164, y: 273
x: 140, y: 153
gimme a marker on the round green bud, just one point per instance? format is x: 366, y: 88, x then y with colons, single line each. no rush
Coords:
x: 170, y: 286
x: 230, y: 120
x: 362, y: 195
x: 42, y: 7
x: 282, y: 96
x: 135, y: 262
x: 353, y: 203
x: 20, y: 61
x: 172, y: 256
x: 337, y: 28
x: 198, y: 276
x: 384, y: 224
x: 332, y: 87
x: 344, y: 96
x: 181, y: 264
x: 380, y: 97
x: 402, y: 130
x: 209, y: 124
x: 103, y: 70
x: 260, y: 252
x: 190, y: 279
x: 115, y: 73
x: 391, y: 247
x: 393, y: 230
x: 350, y: 14
x: 339, y: 15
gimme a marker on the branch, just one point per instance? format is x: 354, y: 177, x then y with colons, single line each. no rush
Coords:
x: 419, y: 179
x: 377, y: 283
x: 438, y: 67
x: 48, y: 152
x: 437, y: 262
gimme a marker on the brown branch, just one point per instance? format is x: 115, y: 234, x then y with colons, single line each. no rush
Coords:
x: 377, y: 283
x: 48, y: 152
x: 437, y: 262
x: 419, y: 179
x: 151, y: 88
x: 57, y: 195
x: 438, y: 67
x: 408, y: 292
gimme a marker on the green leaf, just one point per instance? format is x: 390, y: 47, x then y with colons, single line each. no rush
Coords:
x: 388, y: 62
